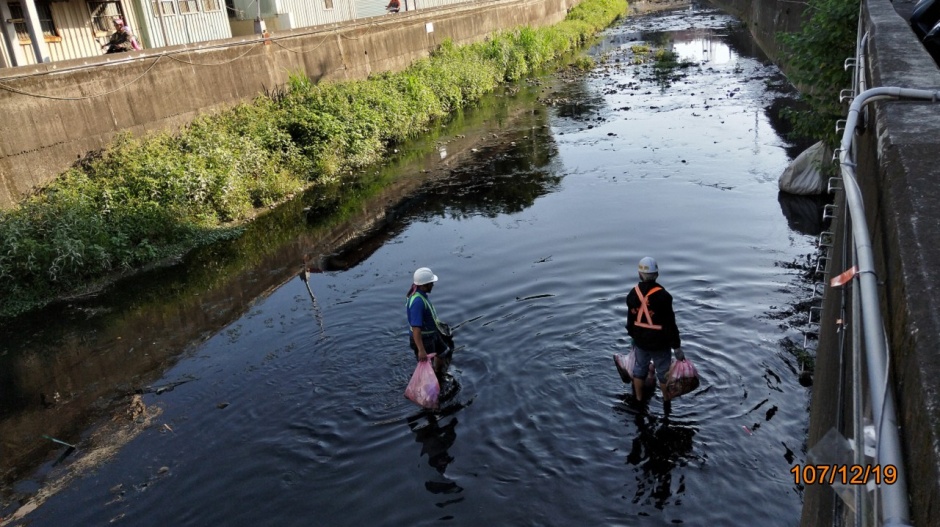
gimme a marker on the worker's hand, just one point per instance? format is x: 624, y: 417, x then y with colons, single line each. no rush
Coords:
x: 679, y: 354
x: 422, y: 356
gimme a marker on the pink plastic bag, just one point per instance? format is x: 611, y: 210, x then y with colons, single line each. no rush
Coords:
x: 423, y: 388
x: 625, y: 365
x: 682, y: 379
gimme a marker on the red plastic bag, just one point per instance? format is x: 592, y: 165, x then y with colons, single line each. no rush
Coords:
x: 682, y: 379
x: 625, y: 365
x: 423, y: 388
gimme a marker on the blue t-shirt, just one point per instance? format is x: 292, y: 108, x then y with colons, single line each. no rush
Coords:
x: 419, y: 312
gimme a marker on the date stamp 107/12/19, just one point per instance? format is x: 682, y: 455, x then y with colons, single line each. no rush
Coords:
x: 844, y: 474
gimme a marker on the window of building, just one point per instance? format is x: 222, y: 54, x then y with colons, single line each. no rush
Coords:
x: 163, y: 8
x: 211, y: 5
x: 44, y: 12
x: 189, y: 6
x: 328, y: 4
x: 102, y: 13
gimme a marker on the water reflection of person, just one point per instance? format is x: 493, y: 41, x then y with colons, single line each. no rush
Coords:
x: 436, y: 440
x: 659, y: 446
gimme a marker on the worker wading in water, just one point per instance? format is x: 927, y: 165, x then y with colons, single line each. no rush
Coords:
x: 428, y: 334
x: 651, y: 323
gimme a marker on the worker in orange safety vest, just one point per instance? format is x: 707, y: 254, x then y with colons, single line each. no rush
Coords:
x: 651, y: 323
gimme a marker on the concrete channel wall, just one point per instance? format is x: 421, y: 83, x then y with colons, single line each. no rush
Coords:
x: 765, y: 19
x: 899, y: 179
x: 898, y: 176
x: 53, y: 114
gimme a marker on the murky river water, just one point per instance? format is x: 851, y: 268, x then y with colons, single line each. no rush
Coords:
x: 286, y: 407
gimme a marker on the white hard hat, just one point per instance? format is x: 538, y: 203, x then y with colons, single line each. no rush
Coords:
x: 648, y: 265
x: 424, y: 276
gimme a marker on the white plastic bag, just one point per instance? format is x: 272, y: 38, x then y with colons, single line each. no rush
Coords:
x: 423, y: 388
x: 682, y: 379
x: 804, y: 176
x: 625, y: 365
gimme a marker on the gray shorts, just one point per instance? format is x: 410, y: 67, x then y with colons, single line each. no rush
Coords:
x: 662, y: 359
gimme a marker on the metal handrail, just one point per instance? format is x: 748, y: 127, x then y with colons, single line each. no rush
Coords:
x: 861, y: 504
x: 894, y: 498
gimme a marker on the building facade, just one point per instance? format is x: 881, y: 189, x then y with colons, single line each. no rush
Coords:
x: 72, y: 29
x: 284, y: 15
x: 37, y: 31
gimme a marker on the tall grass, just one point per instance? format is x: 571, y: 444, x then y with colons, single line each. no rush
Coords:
x: 144, y: 199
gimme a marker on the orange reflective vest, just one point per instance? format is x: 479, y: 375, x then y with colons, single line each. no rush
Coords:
x: 644, y: 318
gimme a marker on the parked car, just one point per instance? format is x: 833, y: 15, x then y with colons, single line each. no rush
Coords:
x: 925, y: 21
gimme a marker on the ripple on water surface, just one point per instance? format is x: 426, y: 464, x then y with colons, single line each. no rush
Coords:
x: 628, y: 163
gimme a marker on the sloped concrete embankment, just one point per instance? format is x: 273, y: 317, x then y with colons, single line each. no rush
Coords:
x: 55, y: 113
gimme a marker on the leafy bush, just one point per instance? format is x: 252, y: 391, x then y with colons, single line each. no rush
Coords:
x: 814, y: 63
x: 141, y: 200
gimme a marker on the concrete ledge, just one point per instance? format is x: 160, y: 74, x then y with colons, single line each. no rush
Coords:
x: 905, y: 192
x: 44, y: 134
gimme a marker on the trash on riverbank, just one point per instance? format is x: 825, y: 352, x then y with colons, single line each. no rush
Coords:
x: 804, y: 175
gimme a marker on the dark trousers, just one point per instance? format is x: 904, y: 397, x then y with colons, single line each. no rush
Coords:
x: 433, y: 343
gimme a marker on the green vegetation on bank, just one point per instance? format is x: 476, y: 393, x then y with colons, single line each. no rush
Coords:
x: 815, y: 58
x: 142, y: 200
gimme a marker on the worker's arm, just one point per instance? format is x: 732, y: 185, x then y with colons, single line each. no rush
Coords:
x: 419, y: 343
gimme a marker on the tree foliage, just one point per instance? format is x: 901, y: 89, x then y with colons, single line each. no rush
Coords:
x: 815, y: 58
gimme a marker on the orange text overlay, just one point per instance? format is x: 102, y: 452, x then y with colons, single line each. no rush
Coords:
x: 844, y: 474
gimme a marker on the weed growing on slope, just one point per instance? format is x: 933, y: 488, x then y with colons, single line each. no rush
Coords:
x: 145, y: 199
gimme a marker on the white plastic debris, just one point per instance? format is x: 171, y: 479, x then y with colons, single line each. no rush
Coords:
x: 804, y: 175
